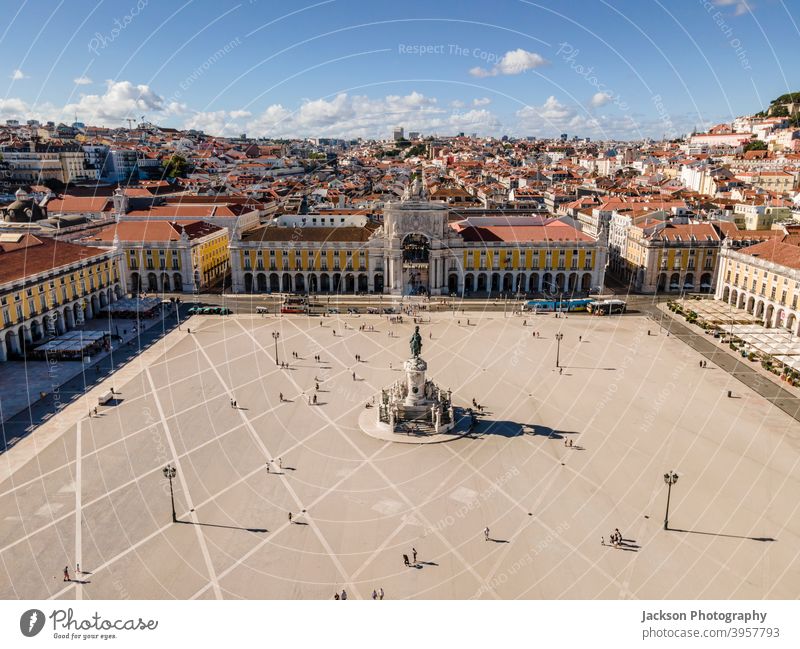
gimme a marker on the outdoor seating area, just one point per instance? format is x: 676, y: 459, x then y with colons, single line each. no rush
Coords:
x: 715, y: 312
x: 133, y: 307
x: 73, y: 345
x: 777, y: 349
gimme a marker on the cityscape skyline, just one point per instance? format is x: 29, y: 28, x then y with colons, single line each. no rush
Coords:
x: 334, y: 69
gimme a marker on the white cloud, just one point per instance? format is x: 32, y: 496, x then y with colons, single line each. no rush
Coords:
x: 82, y: 81
x: 18, y: 74
x: 13, y: 107
x: 480, y: 72
x: 600, y: 99
x: 216, y: 122
x: 513, y: 62
x: 553, y: 117
x: 361, y: 116
x: 740, y: 6
x: 122, y: 99
x: 481, y: 101
x: 239, y: 114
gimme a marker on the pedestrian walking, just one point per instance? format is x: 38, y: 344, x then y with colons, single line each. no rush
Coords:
x: 267, y: 463
x: 602, y: 540
x: 344, y: 594
x: 316, y: 386
x: 354, y: 376
x: 336, y: 595
x: 280, y: 463
x: 580, y: 338
x: 314, y: 400
x: 414, y: 554
x: 66, y: 573
x: 560, y: 370
x: 281, y: 395
x: 78, y: 569
x: 485, y: 533
x: 95, y: 411
x: 405, y: 560
x: 290, y: 518
x: 235, y: 404
x: 374, y: 594
x: 380, y: 593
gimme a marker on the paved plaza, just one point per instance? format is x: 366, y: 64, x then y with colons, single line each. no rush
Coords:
x: 633, y: 406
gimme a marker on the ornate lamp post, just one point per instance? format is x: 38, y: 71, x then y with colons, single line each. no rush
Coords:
x: 169, y: 473
x: 670, y: 478
x: 275, y: 336
x: 559, y: 336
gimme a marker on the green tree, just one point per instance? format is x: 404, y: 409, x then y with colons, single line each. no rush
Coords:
x: 176, y: 166
x: 756, y: 145
x: 416, y: 150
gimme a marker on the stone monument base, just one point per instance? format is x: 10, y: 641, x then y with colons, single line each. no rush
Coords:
x: 411, y: 432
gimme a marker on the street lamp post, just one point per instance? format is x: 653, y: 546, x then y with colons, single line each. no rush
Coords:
x: 670, y: 478
x: 559, y: 336
x: 169, y: 473
x: 275, y: 336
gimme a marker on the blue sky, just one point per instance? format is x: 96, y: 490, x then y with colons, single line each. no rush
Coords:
x: 347, y: 68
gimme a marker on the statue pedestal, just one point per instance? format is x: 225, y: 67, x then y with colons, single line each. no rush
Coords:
x: 415, y: 369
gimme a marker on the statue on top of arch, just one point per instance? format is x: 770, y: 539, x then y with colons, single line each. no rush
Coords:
x: 415, y: 191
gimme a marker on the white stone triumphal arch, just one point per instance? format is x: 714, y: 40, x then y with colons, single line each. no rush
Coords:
x: 418, y: 247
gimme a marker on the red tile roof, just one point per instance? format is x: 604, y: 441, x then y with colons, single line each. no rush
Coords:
x: 154, y: 231
x: 554, y: 232
x: 79, y: 204
x: 776, y: 251
x: 33, y: 256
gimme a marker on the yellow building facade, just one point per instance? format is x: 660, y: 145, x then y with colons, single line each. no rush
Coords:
x: 48, y: 287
